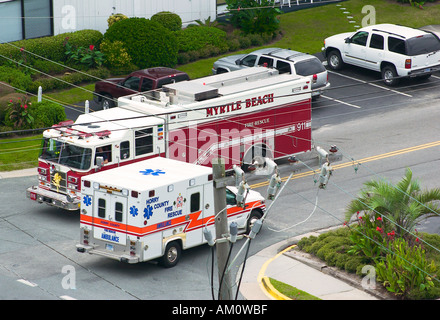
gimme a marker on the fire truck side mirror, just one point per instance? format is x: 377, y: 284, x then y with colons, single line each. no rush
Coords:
x: 99, y: 162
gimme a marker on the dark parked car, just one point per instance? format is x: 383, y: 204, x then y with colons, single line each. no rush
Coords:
x: 108, y: 91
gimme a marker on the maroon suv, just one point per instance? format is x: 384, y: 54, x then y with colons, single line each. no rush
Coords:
x: 108, y: 91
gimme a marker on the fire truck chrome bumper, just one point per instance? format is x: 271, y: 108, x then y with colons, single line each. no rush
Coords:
x: 51, y: 198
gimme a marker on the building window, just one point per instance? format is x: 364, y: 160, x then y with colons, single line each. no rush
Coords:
x: 25, y: 19
x: 37, y: 18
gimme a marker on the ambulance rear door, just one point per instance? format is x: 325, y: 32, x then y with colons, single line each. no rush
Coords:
x: 110, y: 219
x: 194, y: 211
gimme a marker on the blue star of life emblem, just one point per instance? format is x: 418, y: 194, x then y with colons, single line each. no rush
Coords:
x: 152, y: 172
x: 87, y: 200
x: 133, y: 211
x: 148, y: 212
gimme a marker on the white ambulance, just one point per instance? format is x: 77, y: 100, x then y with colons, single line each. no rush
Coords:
x: 154, y: 209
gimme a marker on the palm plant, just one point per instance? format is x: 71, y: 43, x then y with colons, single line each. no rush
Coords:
x: 402, y: 206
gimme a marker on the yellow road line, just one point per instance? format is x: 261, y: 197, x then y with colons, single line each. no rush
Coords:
x: 354, y: 162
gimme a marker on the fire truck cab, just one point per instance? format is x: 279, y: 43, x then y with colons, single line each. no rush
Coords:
x: 96, y: 141
x: 154, y: 209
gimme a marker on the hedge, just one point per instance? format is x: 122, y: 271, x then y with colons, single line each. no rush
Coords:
x: 51, y: 48
x: 66, y: 80
x: 197, y: 37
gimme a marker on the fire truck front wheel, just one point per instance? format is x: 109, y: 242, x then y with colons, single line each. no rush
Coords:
x: 172, y: 254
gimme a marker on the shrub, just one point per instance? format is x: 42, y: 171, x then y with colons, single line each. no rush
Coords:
x: 48, y: 67
x: 66, y: 80
x: 405, y: 269
x: 233, y: 44
x: 116, y: 56
x: 88, y: 56
x: 244, y: 42
x: 169, y: 20
x: 148, y: 43
x: 4, y: 103
x: 256, y: 39
x: 183, y: 58
x: 18, y: 114
x: 47, y: 113
x: 115, y: 18
x: 261, y: 19
x: 4, y: 129
x: 197, y: 37
x: 370, y: 237
x: 15, y: 78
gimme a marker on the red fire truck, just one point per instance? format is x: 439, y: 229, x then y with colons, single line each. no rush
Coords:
x: 240, y: 116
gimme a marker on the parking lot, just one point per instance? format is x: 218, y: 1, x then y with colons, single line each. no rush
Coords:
x: 357, y: 92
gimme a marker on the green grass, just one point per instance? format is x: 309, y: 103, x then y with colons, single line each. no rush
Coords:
x: 305, y: 30
x: 19, y: 153
x: 291, y: 292
x: 74, y: 95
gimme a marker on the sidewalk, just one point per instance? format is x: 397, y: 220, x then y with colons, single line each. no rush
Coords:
x: 18, y: 173
x: 282, y: 263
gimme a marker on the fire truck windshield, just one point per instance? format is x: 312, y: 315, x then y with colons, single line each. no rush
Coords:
x: 66, y: 154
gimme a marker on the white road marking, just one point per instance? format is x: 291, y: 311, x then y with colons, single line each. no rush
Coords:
x: 67, y: 298
x: 342, y: 102
x: 371, y: 84
x: 28, y: 283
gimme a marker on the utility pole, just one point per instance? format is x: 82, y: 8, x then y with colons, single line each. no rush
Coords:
x: 221, y: 228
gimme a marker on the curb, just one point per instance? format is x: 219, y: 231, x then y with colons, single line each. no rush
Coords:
x: 264, y: 281
x: 270, y: 290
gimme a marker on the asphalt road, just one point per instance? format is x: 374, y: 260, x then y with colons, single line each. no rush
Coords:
x: 38, y: 258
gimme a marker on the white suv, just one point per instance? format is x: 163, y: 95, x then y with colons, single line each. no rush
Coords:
x: 395, y: 51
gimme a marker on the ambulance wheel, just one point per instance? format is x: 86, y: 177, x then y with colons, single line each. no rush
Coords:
x: 172, y: 254
x: 254, y: 216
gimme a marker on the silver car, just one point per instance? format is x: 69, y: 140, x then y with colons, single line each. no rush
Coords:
x: 285, y: 60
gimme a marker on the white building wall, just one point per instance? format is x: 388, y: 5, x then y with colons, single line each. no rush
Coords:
x: 73, y: 15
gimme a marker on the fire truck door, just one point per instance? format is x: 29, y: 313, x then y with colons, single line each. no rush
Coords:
x: 110, y: 217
